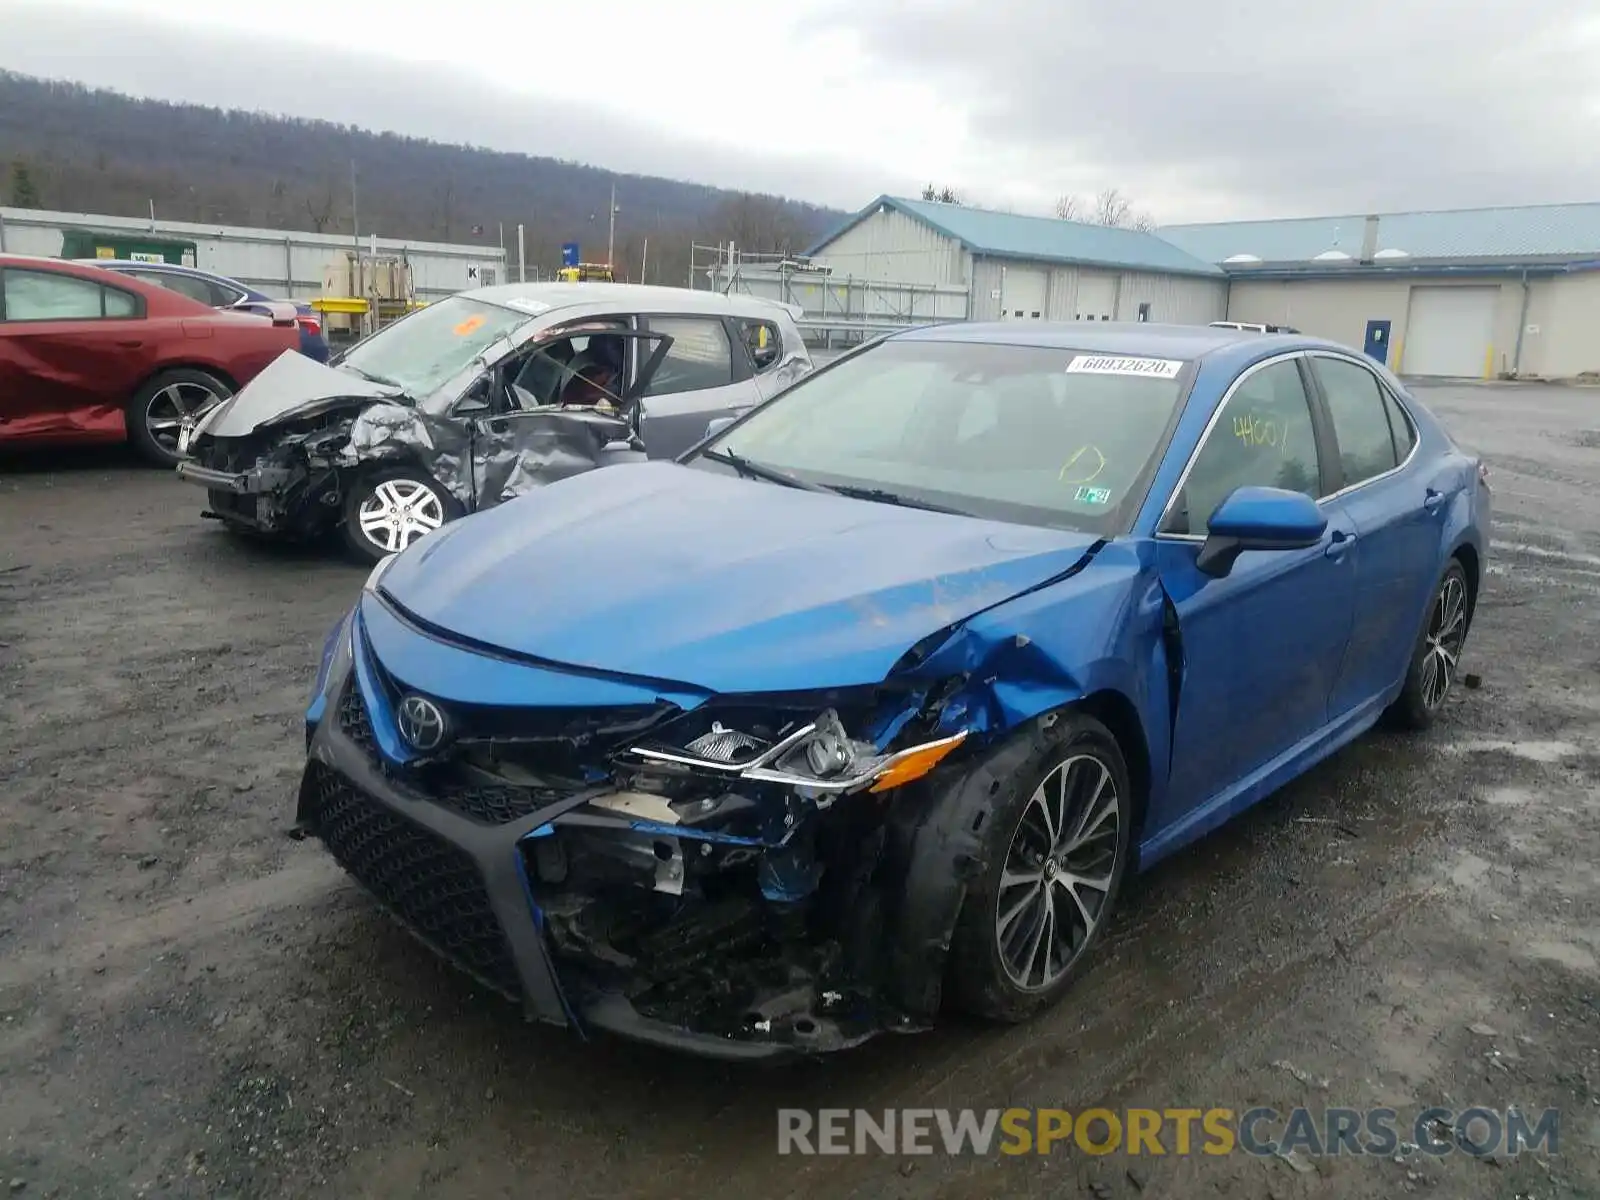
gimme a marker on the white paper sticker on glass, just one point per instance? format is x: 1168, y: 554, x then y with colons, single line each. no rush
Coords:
x: 1107, y: 364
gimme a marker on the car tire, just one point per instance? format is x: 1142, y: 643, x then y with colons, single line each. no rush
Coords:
x: 387, y: 510
x: 1435, y: 659
x: 157, y: 410
x: 1027, y: 893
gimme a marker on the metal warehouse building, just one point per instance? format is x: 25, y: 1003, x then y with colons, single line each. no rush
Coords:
x: 1472, y: 293
x: 981, y: 265
x: 287, y: 263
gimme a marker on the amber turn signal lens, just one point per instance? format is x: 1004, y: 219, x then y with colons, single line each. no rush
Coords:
x: 916, y: 763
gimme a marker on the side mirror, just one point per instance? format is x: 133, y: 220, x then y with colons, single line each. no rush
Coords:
x: 1259, y: 518
x: 718, y: 424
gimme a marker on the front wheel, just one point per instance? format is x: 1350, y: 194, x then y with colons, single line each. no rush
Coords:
x: 1057, y: 849
x: 385, y: 511
x: 1435, y: 660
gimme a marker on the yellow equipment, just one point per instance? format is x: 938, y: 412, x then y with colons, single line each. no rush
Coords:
x: 586, y: 273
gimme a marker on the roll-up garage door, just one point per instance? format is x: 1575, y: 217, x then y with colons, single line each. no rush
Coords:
x: 1023, y: 293
x: 1097, y: 297
x: 1449, y: 331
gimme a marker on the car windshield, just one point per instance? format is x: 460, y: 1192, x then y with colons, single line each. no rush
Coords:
x: 1039, y: 436
x: 423, y: 352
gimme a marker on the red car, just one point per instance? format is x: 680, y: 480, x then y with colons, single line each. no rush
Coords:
x: 88, y: 356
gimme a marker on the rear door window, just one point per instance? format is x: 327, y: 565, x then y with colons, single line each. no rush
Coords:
x: 701, y: 356
x: 1360, y: 419
x: 184, y: 285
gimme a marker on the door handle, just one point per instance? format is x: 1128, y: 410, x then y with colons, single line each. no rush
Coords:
x: 130, y: 343
x: 1341, y: 542
x: 1432, y: 500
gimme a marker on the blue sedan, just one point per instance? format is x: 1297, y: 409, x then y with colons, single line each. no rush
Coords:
x: 220, y: 292
x: 870, y: 702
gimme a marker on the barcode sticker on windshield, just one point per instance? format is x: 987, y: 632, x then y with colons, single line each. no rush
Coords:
x: 1105, y: 364
x: 528, y: 306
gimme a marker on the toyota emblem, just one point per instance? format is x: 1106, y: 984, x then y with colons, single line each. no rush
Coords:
x: 421, y: 723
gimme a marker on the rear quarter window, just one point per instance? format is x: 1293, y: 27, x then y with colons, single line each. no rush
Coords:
x: 764, y: 342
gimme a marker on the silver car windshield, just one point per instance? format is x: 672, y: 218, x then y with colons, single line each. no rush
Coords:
x: 1035, y: 435
x: 432, y: 345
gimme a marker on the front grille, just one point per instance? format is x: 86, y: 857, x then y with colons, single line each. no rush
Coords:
x: 354, y: 723
x: 433, y: 887
x: 228, y: 454
x: 489, y: 804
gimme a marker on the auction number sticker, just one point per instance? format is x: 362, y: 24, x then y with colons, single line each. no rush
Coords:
x: 1105, y: 364
x: 1093, y: 495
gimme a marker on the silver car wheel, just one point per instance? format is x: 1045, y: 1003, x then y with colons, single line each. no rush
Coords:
x: 174, y: 404
x: 1447, y: 632
x: 398, y: 512
x: 1058, y: 872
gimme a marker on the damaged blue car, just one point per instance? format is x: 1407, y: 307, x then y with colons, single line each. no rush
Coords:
x: 868, y: 704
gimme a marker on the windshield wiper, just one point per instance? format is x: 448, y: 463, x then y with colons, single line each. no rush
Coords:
x: 884, y: 496
x: 756, y: 470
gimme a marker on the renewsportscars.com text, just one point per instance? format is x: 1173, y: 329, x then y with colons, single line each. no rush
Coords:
x: 1163, y: 1131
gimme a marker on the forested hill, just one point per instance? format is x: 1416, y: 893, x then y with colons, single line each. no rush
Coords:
x: 78, y: 149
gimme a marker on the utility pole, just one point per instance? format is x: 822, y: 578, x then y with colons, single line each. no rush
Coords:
x: 360, y: 280
x: 611, y: 238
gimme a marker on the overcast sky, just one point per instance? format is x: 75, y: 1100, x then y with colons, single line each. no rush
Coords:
x: 1198, y: 111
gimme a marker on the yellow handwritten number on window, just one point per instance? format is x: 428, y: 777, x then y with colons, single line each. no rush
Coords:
x: 1255, y: 430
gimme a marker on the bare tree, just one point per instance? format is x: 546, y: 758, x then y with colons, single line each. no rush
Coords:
x: 757, y: 224
x: 444, y: 210
x: 319, y: 207
x: 942, y: 195
x: 1112, y: 208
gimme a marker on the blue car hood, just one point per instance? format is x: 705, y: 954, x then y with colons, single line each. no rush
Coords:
x: 673, y: 573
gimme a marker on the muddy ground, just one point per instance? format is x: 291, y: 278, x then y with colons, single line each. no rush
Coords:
x: 192, y: 1004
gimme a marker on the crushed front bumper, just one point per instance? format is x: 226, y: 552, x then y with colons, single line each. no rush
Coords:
x: 461, y: 886
x: 251, y: 482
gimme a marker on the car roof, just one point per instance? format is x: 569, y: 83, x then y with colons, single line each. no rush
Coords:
x: 1131, y: 338
x: 174, y: 268
x: 628, y: 297
x: 1095, y: 337
x: 160, y: 268
x: 82, y: 268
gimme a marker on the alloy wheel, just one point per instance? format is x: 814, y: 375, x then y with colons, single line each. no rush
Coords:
x: 1447, y: 632
x: 172, y: 406
x: 1059, y: 868
x: 398, y: 512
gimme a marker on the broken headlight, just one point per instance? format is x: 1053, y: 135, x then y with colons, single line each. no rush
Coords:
x: 818, y: 756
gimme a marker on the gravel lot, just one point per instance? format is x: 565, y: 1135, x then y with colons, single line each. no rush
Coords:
x: 192, y: 1004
